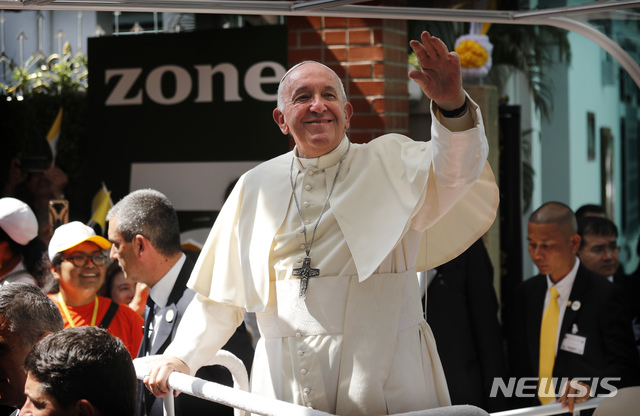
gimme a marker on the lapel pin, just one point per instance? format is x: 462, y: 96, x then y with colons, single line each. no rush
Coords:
x: 568, y: 303
x: 575, y: 305
x: 169, y: 315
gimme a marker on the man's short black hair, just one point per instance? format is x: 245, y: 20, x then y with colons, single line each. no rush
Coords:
x: 555, y: 212
x: 85, y: 363
x: 590, y: 210
x: 596, y: 226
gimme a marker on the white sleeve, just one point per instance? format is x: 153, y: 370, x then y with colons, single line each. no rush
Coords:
x: 204, y: 329
x: 458, y: 160
x: 460, y: 146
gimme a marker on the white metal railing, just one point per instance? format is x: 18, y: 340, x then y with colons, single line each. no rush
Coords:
x: 243, y: 401
x: 551, y: 409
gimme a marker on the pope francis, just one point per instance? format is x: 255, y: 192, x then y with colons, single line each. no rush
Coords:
x: 323, y: 244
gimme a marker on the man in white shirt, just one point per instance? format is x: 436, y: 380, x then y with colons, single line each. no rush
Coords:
x: 323, y: 244
x: 145, y: 237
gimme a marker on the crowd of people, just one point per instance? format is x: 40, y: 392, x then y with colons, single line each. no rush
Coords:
x: 323, y: 246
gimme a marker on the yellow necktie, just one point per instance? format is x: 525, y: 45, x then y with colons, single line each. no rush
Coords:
x: 548, y: 335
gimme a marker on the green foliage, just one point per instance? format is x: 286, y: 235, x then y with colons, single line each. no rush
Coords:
x: 52, y: 76
x: 529, y: 50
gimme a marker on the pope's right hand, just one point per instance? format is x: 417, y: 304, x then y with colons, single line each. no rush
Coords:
x: 159, y: 370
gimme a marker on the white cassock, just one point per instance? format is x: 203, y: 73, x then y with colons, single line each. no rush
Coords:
x: 358, y: 343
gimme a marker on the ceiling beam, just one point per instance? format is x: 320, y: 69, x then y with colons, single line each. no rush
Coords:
x: 298, y: 6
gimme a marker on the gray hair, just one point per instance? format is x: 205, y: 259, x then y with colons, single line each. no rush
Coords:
x: 28, y: 312
x: 149, y: 213
x: 282, y: 84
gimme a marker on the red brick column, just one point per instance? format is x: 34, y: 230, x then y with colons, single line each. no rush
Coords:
x: 370, y: 55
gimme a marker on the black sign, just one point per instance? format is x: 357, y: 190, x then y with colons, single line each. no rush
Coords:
x: 185, y: 97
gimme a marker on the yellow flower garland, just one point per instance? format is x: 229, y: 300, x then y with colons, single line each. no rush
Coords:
x: 472, y: 54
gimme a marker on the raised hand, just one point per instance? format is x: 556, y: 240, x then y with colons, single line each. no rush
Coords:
x: 440, y: 77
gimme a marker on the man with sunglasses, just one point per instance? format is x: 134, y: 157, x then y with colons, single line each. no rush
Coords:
x: 79, y: 265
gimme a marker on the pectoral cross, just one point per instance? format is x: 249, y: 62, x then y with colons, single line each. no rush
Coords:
x: 304, y: 273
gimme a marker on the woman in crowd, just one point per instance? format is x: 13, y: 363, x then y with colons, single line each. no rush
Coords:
x: 23, y: 255
x: 124, y: 291
x: 79, y: 264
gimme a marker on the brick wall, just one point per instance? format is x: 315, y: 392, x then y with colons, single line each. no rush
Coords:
x: 370, y: 55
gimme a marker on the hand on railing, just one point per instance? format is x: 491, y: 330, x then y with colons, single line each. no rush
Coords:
x: 239, y: 397
x: 572, y: 393
x: 157, y: 369
x: 175, y: 381
x: 242, y: 400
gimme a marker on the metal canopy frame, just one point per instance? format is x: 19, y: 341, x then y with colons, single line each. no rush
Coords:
x: 562, y: 17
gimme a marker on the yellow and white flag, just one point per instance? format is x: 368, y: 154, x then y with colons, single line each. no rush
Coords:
x: 100, y: 207
x: 54, y: 134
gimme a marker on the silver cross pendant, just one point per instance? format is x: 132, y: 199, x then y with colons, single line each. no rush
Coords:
x: 304, y: 273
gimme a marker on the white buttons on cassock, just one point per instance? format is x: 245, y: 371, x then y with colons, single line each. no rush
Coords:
x: 306, y: 204
x: 310, y: 172
x: 303, y: 371
x: 302, y: 247
x: 298, y: 335
x: 306, y: 390
x: 308, y: 187
x: 300, y: 353
x: 299, y: 260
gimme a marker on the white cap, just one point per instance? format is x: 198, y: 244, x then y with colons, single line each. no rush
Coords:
x: 70, y: 235
x: 18, y: 221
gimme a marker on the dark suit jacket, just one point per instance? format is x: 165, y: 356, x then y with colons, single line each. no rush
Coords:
x: 239, y: 345
x: 462, y: 311
x: 631, y: 286
x: 603, y: 319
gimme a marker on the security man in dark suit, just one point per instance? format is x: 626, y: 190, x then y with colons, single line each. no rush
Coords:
x: 599, y: 252
x: 589, y: 337
x: 145, y: 237
x: 462, y: 311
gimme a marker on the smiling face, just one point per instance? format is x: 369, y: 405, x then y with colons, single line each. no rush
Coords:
x: 553, y: 249
x: 314, y: 111
x: 79, y: 284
